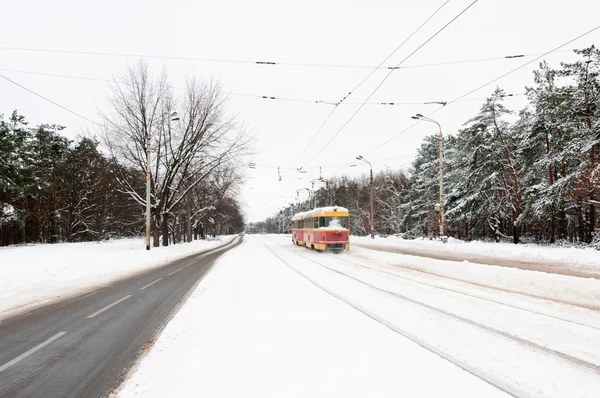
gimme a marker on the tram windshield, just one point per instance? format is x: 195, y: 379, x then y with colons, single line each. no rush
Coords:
x: 333, y: 222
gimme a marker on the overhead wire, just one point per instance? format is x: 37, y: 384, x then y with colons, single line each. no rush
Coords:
x: 359, y: 84
x: 49, y: 100
x: 395, y: 50
x: 258, y: 96
x: 262, y: 63
x: 461, y: 97
x: 386, y: 77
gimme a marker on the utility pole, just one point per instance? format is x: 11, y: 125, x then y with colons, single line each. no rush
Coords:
x: 418, y: 116
x: 441, y: 158
x: 298, y: 196
x: 371, y: 222
x: 148, y: 184
x: 173, y: 117
x: 328, y: 196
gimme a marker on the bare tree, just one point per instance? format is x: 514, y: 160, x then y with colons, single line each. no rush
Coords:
x: 186, y: 149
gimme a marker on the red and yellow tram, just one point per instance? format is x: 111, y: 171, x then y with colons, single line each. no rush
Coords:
x: 324, y: 228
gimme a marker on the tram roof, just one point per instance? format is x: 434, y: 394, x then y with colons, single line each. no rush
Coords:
x: 299, y: 216
x: 319, y: 211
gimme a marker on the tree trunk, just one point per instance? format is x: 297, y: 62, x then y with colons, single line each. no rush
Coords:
x: 592, y: 222
x: 552, y: 227
x: 165, y: 229
x: 155, y: 234
x: 580, y: 223
x: 188, y: 222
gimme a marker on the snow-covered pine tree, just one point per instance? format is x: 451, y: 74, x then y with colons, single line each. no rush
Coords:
x: 486, y: 190
x: 584, y: 118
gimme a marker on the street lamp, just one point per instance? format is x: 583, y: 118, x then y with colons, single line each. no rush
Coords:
x: 312, y: 185
x: 371, y: 183
x: 173, y: 117
x: 298, y: 195
x: 418, y: 116
x: 329, y: 194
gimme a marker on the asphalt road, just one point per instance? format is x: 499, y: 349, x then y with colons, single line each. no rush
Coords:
x: 83, y: 346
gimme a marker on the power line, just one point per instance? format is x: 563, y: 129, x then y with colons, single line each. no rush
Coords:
x: 395, y: 50
x: 469, y: 61
x: 259, y: 63
x: 461, y: 97
x: 359, y: 84
x: 49, y: 100
x: 525, y: 64
x: 387, y: 76
x: 270, y: 63
x: 258, y: 96
x: 267, y: 97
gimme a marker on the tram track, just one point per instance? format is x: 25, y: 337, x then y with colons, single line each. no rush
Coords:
x: 490, y: 378
x: 448, y: 313
x: 535, y: 296
x: 471, y: 295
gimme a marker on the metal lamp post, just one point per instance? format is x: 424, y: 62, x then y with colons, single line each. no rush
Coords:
x: 298, y: 195
x: 371, y: 183
x: 173, y: 117
x: 418, y: 116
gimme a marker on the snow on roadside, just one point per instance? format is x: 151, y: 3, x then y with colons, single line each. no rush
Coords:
x: 37, y: 274
x: 583, y: 292
x: 477, y: 342
x: 585, y: 259
x: 255, y: 328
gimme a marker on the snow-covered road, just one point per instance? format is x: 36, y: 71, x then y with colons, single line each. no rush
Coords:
x: 35, y: 275
x: 274, y: 319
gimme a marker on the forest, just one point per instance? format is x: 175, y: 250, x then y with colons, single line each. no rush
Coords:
x: 525, y: 175
x: 53, y: 189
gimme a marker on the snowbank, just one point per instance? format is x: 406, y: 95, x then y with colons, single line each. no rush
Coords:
x: 529, y: 256
x: 240, y: 334
x: 34, y: 275
x: 584, y: 292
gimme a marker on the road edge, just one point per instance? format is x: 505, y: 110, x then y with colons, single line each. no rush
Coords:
x: 113, y: 390
x: 84, y: 292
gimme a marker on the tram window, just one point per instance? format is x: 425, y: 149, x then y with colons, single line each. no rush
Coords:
x: 334, y: 222
x: 316, y: 222
x: 322, y: 221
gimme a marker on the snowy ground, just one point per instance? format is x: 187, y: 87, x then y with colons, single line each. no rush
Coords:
x: 564, y: 260
x: 275, y: 320
x: 34, y: 275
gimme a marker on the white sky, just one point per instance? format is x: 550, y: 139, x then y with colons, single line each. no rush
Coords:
x: 348, y: 32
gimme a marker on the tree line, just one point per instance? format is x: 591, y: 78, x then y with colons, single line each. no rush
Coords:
x: 531, y: 175
x: 53, y: 189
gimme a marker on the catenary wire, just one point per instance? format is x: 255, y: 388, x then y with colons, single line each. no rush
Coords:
x: 395, y: 50
x: 461, y: 97
x: 386, y: 77
x: 357, y: 86
x: 257, y: 96
x: 267, y: 63
x: 49, y: 100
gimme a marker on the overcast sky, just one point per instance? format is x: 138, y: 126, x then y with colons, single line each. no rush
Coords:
x: 340, y: 32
